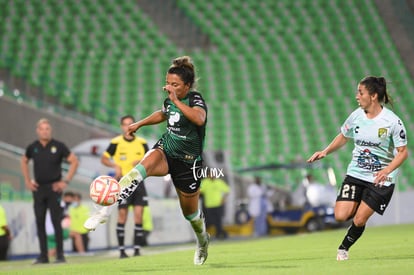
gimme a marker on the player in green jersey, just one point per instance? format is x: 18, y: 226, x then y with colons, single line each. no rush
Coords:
x: 380, y: 148
x: 177, y: 153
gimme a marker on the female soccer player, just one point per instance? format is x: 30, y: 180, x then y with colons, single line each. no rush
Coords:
x: 380, y: 148
x: 178, y: 152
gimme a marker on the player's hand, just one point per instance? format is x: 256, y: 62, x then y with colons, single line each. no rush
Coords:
x: 32, y: 185
x: 132, y: 128
x: 171, y: 92
x: 380, y: 177
x: 59, y: 186
x: 317, y: 156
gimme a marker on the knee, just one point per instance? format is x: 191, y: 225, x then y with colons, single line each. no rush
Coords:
x: 122, y: 219
x: 342, y: 216
x: 359, y: 222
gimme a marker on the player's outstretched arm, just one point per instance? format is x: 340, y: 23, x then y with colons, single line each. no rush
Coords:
x: 155, y: 118
x: 339, y: 141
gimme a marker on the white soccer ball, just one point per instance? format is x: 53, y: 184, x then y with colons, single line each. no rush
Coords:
x: 104, y: 190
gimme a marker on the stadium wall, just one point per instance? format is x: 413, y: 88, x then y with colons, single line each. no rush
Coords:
x: 18, y: 124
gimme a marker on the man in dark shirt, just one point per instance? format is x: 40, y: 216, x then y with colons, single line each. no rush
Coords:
x: 47, y: 186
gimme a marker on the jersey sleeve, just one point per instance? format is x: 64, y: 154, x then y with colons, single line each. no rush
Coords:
x: 164, y: 107
x: 110, y: 151
x: 224, y: 187
x: 146, y: 148
x: 399, y: 134
x: 196, y: 100
x: 348, y: 127
x: 65, y: 150
x: 3, y: 218
x: 144, y: 143
x: 28, y: 152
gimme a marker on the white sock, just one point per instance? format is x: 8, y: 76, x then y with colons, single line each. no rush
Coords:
x: 129, y: 183
x: 107, y: 210
x: 132, y: 175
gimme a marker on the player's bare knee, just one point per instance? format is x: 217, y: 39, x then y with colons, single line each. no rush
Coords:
x: 359, y: 222
x: 342, y: 216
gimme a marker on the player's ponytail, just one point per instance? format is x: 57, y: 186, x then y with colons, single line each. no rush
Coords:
x: 183, y: 67
x: 383, y: 83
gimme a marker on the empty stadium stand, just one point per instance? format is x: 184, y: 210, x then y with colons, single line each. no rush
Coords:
x: 279, y: 77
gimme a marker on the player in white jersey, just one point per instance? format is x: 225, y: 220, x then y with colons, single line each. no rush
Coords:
x: 380, y: 148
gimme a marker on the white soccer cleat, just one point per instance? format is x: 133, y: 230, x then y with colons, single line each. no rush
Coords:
x: 342, y: 255
x: 201, y: 253
x: 96, y: 219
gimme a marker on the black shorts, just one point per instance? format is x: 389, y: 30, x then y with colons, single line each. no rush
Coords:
x: 185, y: 175
x: 357, y: 190
x: 138, y: 197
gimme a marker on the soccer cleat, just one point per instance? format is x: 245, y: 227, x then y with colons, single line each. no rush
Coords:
x: 41, y: 260
x: 93, y: 221
x: 123, y: 255
x: 342, y: 255
x: 201, y: 253
x: 60, y: 260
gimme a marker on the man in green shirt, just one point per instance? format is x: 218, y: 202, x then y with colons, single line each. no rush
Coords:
x: 215, y: 192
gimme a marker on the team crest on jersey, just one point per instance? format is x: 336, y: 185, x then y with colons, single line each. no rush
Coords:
x: 382, y: 132
x: 53, y: 150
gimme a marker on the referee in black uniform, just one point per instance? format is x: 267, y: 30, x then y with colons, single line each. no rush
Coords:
x: 47, y: 187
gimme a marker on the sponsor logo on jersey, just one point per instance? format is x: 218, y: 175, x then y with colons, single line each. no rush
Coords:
x: 53, y: 150
x: 361, y: 142
x: 369, y: 161
x: 402, y: 134
x: 174, y: 117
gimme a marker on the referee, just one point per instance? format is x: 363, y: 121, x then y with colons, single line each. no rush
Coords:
x: 47, y: 186
x: 124, y: 153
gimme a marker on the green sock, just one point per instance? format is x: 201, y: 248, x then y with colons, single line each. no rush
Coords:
x: 142, y: 170
x: 197, y: 223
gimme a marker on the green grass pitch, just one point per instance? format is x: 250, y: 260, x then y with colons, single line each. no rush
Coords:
x: 381, y: 250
